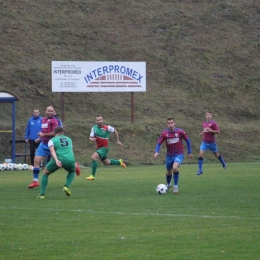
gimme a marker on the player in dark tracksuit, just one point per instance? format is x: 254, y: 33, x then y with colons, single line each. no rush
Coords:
x: 31, y: 133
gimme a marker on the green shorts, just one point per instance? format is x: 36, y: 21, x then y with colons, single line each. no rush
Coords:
x: 68, y: 166
x: 103, y: 152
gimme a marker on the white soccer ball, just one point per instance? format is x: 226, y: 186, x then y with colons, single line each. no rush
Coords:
x: 2, y: 167
x: 10, y: 166
x: 25, y: 166
x: 19, y: 166
x: 15, y: 166
x: 161, y: 189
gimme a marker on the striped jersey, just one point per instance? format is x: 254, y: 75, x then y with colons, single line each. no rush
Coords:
x: 209, y: 137
x: 102, y: 135
x: 48, y: 125
x: 173, y: 141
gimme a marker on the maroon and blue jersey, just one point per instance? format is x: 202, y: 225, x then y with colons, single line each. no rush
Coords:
x: 209, y: 137
x: 173, y: 141
x: 48, y: 125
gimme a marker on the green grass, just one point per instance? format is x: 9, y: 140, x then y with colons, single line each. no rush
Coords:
x: 120, y: 215
x: 199, y: 55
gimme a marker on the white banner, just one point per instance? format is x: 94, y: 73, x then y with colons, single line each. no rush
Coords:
x: 98, y: 76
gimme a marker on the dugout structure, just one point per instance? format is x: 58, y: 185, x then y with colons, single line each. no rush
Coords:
x: 8, y: 97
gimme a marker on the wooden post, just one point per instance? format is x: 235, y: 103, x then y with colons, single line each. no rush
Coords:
x: 62, y: 106
x: 132, y: 107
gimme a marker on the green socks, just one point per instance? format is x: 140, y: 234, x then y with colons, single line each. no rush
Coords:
x: 44, y: 183
x: 114, y: 162
x: 94, y: 167
x: 69, y: 178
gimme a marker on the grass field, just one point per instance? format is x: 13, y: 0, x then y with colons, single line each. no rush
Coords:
x: 200, y: 55
x: 120, y: 215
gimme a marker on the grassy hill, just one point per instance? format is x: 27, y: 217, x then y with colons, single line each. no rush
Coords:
x: 200, y: 55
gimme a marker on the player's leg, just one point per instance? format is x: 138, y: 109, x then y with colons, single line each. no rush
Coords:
x: 36, y: 145
x: 70, y: 168
x: 168, y: 165
x: 221, y: 159
x: 95, y: 156
x: 36, y: 168
x: 107, y: 161
x: 214, y: 149
x: 49, y: 168
x: 114, y: 162
x: 69, y: 178
x: 177, y: 162
x: 44, y: 183
x: 203, y: 149
x: 176, y: 175
x: 77, y: 170
x: 43, y: 150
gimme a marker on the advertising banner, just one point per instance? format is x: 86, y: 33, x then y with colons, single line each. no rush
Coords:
x: 98, y: 76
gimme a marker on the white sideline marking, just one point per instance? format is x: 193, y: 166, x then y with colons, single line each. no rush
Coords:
x: 134, y: 214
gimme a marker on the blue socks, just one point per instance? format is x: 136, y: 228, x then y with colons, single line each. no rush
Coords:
x: 222, y: 161
x: 200, y: 163
x: 168, y: 178
x: 36, y: 172
x: 176, y: 178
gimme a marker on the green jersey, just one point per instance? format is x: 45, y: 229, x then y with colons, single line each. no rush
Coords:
x: 102, y: 135
x: 63, y: 147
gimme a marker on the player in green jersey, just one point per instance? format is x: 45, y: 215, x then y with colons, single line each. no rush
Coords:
x: 61, y: 149
x: 100, y: 134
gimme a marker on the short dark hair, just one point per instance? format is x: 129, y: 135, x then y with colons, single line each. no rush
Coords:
x: 170, y: 118
x: 58, y: 130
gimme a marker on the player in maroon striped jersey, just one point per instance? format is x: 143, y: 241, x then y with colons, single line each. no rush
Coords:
x: 173, y: 138
x: 49, y: 123
x: 210, y: 128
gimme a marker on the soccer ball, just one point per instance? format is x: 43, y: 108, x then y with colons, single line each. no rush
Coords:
x: 25, y: 166
x: 161, y: 189
x: 15, y: 166
x: 19, y: 166
x: 10, y: 166
x: 2, y: 167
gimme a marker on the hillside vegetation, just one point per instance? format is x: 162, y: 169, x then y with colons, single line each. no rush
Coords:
x: 200, y: 55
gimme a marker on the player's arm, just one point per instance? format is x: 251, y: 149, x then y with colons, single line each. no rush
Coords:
x: 39, y: 138
x: 46, y: 134
x: 117, y: 138
x: 215, y: 129
x: 188, y: 142
x: 92, y: 137
x: 158, y: 146
x: 53, y: 153
x: 27, y: 132
x: 202, y: 132
x: 53, y: 125
x: 111, y: 129
x: 157, y: 149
